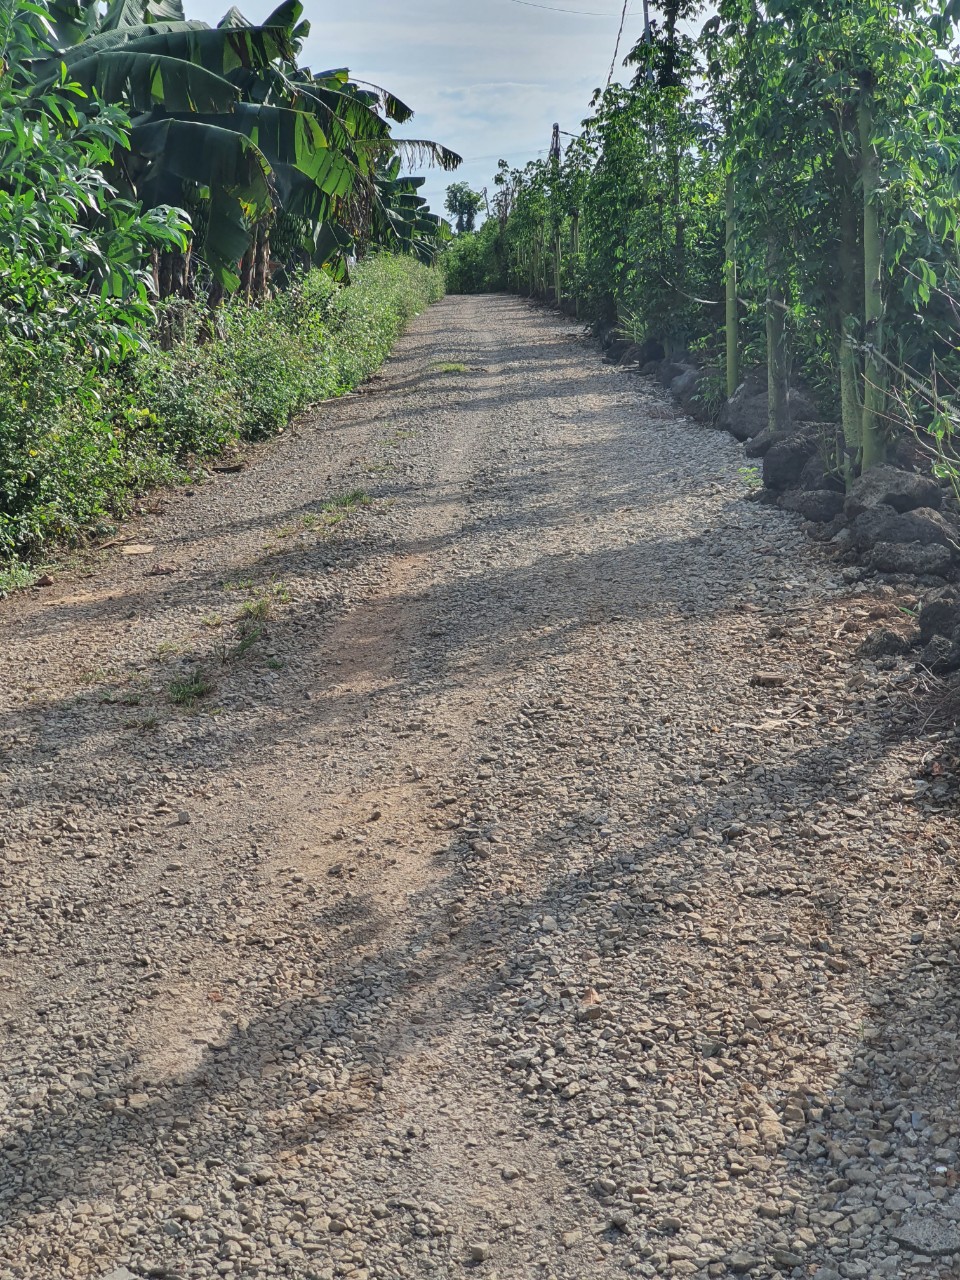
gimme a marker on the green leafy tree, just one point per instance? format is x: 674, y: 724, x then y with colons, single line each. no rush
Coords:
x: 463, y: 204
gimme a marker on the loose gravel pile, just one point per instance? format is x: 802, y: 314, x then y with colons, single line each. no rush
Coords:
x: 470, y: 840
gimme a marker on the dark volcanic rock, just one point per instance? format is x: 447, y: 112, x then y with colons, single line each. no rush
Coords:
x: 939, y: 614
x: 941, y: 656
x: 817, y: 475
x: 889, y: 487
x: 934, y: 560
x: 784, y: 461
x: 801, y: 408
x: 685, y: 389
x: 745, y: 413
x: 615, y: 350
x: 819, y: 505
x: 669, y: 370
x: 887, y: 642
x: 884, y: 524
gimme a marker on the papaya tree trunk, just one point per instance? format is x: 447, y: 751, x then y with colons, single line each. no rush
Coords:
x: 730, y: 273
x: 874, y: 370
x: 777, y: 363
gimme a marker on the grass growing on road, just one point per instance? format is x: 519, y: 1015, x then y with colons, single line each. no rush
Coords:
x: 190, y: 690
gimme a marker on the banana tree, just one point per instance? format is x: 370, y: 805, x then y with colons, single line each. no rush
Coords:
x: 225, y: 120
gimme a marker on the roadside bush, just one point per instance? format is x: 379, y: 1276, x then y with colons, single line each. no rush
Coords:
x: 77, y: 443
x: 366, y: 319
x: 471, y: 262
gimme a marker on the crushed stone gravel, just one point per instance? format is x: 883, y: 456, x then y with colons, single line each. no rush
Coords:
x: 519, y: 870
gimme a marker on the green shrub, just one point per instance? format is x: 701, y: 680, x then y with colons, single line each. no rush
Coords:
x: 78, y: 442
x: 470, y: 263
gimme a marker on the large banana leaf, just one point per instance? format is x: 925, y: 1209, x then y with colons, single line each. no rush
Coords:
x: 73, y: 21
x: 413, y: 151
x: 299, y: 197
x: 292, y: 138
x: 138, y: 13
x: 234, y: 18
x: 144, y: 80
x: 221, y: 163
x: 216, y: 49
x: 228, y: 125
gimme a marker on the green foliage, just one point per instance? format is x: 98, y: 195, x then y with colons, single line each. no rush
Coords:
x: 470, y: 263
x: 189, y: 690
x: 788, y: 180
x: 78, y: 442
x: 223, y: 121
x: 72, y: 253
x: 463, y: 203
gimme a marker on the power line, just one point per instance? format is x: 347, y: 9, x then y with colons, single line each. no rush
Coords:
x: 500, y: 156
x: 623, y: 19
x: 584, y: 13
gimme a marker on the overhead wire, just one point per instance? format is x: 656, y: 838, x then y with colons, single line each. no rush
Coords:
x: 616, y: 50
x: 584, y: 13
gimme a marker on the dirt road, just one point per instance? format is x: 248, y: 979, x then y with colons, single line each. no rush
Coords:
x: 470, y: 841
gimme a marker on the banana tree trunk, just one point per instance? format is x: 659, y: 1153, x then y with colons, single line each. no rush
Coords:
x: 777, y: 362
x: 875, y: 377
x: 261, y: 263
x: 246, y: 272
x: 730, y: 273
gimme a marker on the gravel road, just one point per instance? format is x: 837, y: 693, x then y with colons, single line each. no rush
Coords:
x: 540, y: 882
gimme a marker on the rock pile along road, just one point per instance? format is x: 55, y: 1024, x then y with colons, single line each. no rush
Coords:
x: 471, y: 841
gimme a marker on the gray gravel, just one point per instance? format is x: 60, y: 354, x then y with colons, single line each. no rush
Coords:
x: 538, y: 889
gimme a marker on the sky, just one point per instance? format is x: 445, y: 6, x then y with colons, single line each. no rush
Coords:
x: 487, y: 78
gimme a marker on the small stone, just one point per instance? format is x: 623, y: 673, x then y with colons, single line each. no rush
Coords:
x: 478, y: 1252
x: 768, y: 679
x: 742, y: 1264
x: 188, y: 1213
x: 120, y: 1273
x: 784, y: 1258
x: 931, y: 1236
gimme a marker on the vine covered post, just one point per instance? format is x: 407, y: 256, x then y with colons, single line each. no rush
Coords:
x: 875, y: 378
x: 777, y: 363
x: 730, y: 274
x: 850, y: 267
